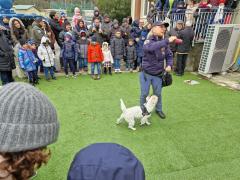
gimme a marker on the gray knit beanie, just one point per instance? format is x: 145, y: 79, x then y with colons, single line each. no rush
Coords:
x: 28, y: 120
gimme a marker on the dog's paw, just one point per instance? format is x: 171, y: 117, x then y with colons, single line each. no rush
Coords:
x: 132, y: 128
x: 148, y: 123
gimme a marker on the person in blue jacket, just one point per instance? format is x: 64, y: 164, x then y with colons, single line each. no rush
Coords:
x: 156, y: 51
x: 106, y: 161
x: 27, y: 61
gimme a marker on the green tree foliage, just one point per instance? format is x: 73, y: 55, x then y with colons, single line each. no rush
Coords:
x: 116, y: 9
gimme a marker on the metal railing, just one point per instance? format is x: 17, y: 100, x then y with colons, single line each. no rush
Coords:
x: 200, y: 20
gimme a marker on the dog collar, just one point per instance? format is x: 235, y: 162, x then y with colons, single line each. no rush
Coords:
x: 144, y: 111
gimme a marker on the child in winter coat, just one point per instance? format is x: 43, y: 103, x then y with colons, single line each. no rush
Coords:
x: 33, y: 47
x: 69, y: 53
x: 108, y: 59
x: 76, y: 17
x: 46, y: 55
x: 139, y: 49
x: 82, y: 48
x: 95, y: 57
x: 131, y: 55
x: 118, y: 50
x: 27, y: 62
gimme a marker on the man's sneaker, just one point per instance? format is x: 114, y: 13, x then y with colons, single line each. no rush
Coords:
x: 54, y: 78
x: 119, y: 71
x: 116, y: 71
x: 98, y: 77
x: 67, y: 76
x: 161, y: 114
x: 75, y: 76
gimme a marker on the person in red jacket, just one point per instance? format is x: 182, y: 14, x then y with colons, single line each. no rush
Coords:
x: 95, y: 57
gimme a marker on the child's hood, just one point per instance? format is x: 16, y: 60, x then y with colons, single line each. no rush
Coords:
x: 44, y: 39
x: 105, y: 44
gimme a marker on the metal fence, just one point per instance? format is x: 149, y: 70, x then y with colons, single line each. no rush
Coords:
x: 200, y: 20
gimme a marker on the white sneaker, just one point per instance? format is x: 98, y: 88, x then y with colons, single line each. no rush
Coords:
x: 67, y: 76
x: 119, y: 71
x: 75, y: 76
x: 115, y: 70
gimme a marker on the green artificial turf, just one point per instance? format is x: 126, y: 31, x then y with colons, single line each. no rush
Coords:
x: 200, y: 139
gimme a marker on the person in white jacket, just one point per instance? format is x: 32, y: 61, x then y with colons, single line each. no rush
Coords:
x: 47, y: 56
x: 108, y: 59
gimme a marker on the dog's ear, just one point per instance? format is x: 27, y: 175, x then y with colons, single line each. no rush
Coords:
x: 147, y: 98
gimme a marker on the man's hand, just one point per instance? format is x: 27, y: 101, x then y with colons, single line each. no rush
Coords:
x: 168, y: 69
x: 172, y: 39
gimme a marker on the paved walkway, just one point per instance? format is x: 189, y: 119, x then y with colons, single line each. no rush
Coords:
x: 230, y: 80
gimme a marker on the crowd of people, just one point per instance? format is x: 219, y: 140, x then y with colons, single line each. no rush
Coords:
x: 190, y: 7
x: 103, y: 46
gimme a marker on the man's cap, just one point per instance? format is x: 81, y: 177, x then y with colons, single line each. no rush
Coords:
x: 160, y: 23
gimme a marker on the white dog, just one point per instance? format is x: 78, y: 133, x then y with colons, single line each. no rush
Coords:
x: 130, y: 114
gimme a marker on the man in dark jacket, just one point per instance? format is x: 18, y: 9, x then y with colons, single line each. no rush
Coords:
x: 55, y: 26
x: 96, y: 30
x: 7, y: 63
x: 183, y: 49
x: 96, y: 14
x: 6, y: 29
x: 174, y: 32
x: 37, y: 30
x: 115, y: 28
x: 66, y: 28
x: 156, y: 50
x: 106, y: 28
x: 126, y: 30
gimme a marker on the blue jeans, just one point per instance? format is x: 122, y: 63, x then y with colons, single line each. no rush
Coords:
x: 139, y: 61
x: 83, y: 64
x: 32, y: 76
x: 129, y: 64
x: 146, y: 81
x: 69, y: 62
x: 49, y: 69
x: 117, y: 64
x: 6, y: 77
x: 98, y: 68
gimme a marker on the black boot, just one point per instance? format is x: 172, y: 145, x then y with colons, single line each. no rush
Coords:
x: 161, y: 114
x: 105, y: 70
x: 110, y: 70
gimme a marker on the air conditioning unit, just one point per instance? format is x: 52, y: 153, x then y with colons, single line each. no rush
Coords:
x: 216, y: 50
x: 235, y: 38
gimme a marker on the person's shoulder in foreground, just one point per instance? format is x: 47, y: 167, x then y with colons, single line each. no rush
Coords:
x: 112, y: 161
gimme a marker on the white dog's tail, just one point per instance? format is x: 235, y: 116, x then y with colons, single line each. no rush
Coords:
x: 123, y: 107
